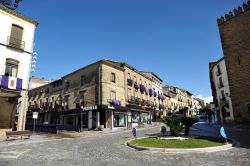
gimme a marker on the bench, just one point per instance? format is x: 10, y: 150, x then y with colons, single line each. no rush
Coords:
x: 17, y: 134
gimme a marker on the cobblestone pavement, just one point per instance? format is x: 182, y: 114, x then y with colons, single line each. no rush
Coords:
x: 109, y: 149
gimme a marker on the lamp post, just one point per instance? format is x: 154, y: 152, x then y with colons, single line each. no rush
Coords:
x: 10, y: 4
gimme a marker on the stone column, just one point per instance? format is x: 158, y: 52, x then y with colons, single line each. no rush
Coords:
x: 126, y: 121
x: 112, y: 119
x: 97, y: 119
x: 22, y: 112
x: 90, y: 121
x: 49, y: 118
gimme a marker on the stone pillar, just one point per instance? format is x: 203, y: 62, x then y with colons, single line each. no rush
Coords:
x: 126, y: 121
x: 22, y: 112
x: 97, y: 119
x: 112, y: 119
x: 76, y: 120
x: 49, y: 118
x: 90, y: 121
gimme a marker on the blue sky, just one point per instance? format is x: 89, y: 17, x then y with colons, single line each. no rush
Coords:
x: 174, y: 39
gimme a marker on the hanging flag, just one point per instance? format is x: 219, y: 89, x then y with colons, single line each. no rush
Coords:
x: 12, y: 82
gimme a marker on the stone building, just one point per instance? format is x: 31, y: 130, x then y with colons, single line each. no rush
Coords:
x: 181, y: 100
x: 36, y: 82
x: 157, y: 87
x: 197, y: 105
x: 234, y: 29
x: 16, y: 49
x: 220, y: 89
x: 107, y: 93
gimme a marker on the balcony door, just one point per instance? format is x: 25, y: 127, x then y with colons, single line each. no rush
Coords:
x: 11, y: 68
x: 15, y: 39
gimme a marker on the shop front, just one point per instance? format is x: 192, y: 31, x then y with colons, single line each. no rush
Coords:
x: 140, y: 115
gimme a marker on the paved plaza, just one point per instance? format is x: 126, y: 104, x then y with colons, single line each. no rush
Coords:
x: 109, y: 149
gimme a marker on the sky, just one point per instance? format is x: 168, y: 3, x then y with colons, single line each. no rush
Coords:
x: 174, y: 39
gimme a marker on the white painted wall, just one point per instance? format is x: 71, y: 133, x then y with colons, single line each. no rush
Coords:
x: 225, y: 88
x: 28, y: 37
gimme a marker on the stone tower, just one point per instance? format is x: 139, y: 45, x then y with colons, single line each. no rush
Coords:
x: 234, y: 30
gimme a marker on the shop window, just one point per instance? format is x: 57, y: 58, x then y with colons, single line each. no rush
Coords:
x: 11, y: 67
x: 113, y: 77
x: 119, y: 120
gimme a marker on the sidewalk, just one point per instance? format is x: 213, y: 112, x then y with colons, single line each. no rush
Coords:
x: 43, y: 137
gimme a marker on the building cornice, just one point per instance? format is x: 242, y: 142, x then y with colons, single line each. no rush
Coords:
x: 16, y: 14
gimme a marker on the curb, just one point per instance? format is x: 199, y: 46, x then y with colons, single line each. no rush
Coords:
x: 179, y: 150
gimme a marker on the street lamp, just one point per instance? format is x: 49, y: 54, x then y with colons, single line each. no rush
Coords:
x: 10, y: 4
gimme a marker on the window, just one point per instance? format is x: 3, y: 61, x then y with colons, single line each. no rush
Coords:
x: 129, y: 76
x: 113, y: 79
x: 82, y: 80
x: 113, y: 95
x: 135, y: 79
x: 11, y: 68
x: 67, y: 86
x: 15, y: 39
x: 238, y: 59
x: 218, y: 70
x: 82, y: 100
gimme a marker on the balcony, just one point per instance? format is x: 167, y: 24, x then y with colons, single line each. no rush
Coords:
x: 222, y: 98
x: 15, y: 43
x: 11, y: 83
x: 218, y: 73
x: 220, y: 85
x: 131, y: 99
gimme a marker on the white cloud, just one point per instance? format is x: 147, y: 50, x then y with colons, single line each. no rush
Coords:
x: 206, y: 99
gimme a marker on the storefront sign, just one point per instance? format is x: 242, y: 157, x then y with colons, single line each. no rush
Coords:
x: 111, y: 107
x: 90, y: 108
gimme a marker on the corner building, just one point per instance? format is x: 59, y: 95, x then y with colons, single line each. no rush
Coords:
x: 107, y: 93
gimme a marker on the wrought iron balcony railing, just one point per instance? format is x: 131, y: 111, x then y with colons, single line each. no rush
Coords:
x: 15, y: 43
x: 11, y: 83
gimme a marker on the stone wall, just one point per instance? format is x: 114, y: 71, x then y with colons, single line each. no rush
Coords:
x: 108, y: 86
x: 235, y: 39
x: 7, y: 114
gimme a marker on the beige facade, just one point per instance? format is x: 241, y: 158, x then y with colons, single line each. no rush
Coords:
x: 111, y: 94
x: 180, y: 99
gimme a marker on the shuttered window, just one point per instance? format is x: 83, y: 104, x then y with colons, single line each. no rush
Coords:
x: 15, y: 39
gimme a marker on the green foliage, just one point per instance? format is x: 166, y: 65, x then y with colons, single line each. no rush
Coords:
x: 176, y: 126
x: 200, y: 142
